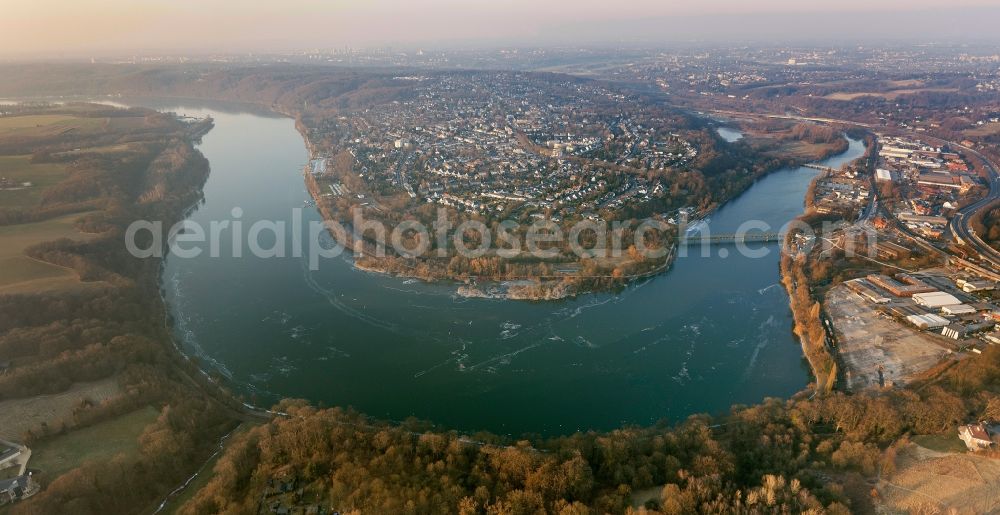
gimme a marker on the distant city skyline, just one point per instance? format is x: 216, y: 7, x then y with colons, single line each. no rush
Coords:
x: 55, y: 28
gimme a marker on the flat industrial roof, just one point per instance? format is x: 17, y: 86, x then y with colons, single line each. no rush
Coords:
x: 930, y: 319
x: 958, y: 309
x: 936, y: 299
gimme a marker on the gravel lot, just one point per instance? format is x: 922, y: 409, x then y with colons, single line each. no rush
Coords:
x: 869, y: 342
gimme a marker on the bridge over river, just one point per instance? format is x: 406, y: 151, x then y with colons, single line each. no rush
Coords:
x: 821, y: 168
x: 696, y: 238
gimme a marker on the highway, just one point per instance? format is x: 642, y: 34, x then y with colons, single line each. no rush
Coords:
x: 959, y: 224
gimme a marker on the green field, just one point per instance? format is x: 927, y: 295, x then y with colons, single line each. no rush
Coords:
x: 18, y: 269
x: 106, y: 149
x: 41, y: 125
x: 14, y: 123
x: 19, y: 169
x: 103, y: 441
x: 940, y: 443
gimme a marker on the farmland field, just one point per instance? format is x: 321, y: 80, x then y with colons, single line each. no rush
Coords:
x: 58, y: 455
x: 18, y: 270
x: 29, y: 414
x: 18, y: 170
x: 107, y: 149
x: 987, y: 129
x: 46, y: 125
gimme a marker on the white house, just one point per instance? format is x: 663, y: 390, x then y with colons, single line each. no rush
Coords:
x: 975, y: 437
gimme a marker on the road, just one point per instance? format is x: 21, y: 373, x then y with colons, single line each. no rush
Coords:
x: 959, y: 224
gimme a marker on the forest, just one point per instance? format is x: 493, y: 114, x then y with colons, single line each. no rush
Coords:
x: 986, y: 223
x: 783, y: 456
x: 809, y: 454
x: 107, y: 323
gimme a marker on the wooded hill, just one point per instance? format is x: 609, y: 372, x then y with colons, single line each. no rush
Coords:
x: 103, y: 319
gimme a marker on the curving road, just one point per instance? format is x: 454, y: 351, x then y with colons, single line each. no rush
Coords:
x: 959, y: 224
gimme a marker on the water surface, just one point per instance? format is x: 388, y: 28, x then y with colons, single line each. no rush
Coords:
x: 729, y: 134
x: 712, y: 332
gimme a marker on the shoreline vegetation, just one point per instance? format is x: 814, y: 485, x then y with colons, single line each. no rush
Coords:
x: 823, y: 448
x: 483, y: 277
x: 812, y: 455
x: 808, y: 324
x: 542, y: 280
x: 86, y: 314
x: 293, y: 92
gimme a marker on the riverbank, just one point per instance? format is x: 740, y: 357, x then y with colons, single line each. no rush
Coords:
x: 807, y: 311
x: 491, y: 276
x: 808, y: 327
x: 89, y: 355
x: 714, y: 333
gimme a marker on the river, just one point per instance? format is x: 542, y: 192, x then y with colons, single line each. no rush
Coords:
x: 712, y: 332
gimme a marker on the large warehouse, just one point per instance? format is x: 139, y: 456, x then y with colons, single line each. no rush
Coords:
x: 928, y: 321
x: 958, y: 309
x: 935, y: 299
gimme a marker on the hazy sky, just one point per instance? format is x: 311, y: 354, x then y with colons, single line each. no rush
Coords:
x: 68, y: 28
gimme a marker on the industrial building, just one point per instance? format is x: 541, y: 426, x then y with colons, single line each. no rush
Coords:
x: 912, y: 285
x: 890, y: 250
x: 958, y: 309
x: 974, y: 285
x: 863, y: 288
x: 935, y: 299
x: 928, y: 321
x: 922, y: 219
x: 954, y: 331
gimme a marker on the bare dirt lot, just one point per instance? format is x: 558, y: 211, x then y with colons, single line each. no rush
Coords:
x: 927, y: 481
x: 868, y: 341
x: 887, y: 95
x: 21, y: 415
